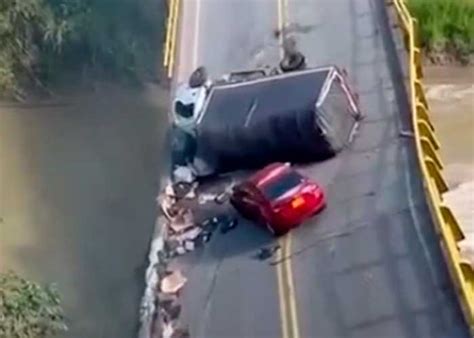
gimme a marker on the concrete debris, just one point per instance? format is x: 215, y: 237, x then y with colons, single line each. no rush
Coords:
x: 183, y: 174
x: 228, y: 224
x: 222, y: 198
x: 173, y: 282
x: 168, y: 330
x: 205, y: 237
x: 181, y: 333
x: 170, y: 311
x: 180, y: 250
x: 182, y: 221
x: 210, y: 224
x: 189, y: 245
x: 205, y: 198
x: 266, y: 253
x: 185, y: 190
x: 190, y: 235
x: 406, y: 133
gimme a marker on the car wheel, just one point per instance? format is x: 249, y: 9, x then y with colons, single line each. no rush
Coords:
x: 198, y: 78
x: 293, y: 62
x: 280, y: 233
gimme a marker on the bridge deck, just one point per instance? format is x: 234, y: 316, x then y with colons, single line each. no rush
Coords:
x: 370, y: 265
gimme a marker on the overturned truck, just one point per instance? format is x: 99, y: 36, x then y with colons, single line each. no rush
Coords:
x: 301, y: 116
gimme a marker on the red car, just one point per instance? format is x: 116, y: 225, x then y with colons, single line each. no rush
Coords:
x: 278, y: 197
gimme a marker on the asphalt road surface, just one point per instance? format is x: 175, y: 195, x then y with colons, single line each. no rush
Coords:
x: 369, y: 265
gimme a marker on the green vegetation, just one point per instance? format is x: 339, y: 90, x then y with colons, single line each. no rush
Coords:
x: 43, y: 39
x: 446, y: 26
x: 28, y: 310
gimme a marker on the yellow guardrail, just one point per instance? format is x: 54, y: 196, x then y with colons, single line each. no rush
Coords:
x: 170, y: 40
x: 427, y: 147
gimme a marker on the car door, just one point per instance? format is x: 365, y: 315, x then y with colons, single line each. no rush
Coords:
x: 247, y: 202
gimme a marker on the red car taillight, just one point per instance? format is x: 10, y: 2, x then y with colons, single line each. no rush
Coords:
x: 293, y: 208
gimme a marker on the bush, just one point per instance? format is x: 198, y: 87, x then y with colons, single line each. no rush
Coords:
x: 28, y: 310
x: 445, y: 25
x: 24, y: 24
x: 42, y: 39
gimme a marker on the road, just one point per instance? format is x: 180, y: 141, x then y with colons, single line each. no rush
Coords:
x: 370, y: 265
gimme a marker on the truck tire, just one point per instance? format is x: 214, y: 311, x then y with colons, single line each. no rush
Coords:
x: 198, y: 78
x: 290, y: 63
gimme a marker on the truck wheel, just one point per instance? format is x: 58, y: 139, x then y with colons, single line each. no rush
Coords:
x: 198, y: 78
x: 293, y: 62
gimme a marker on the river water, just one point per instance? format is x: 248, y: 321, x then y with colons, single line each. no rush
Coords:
x: 78, y: 180
x: 450, y: 92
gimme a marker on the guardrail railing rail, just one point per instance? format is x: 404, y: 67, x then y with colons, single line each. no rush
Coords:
x: 427, y: 147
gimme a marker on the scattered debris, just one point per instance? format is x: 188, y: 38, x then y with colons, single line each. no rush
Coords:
x: 170, y: 311
x: 229, y: 224
x: 210, y: 225
x: 266, y: 253
x: 182, y: 220
x: 183, y: 174
x: 222, y: 198
x: 181, y: 333
x: 168, y: 330
x: 184, y: 190
x: 406, y: 133
x: 205, y: 237
x: 189, y: 245
x: 190, y: 235
x: 173, y: 283
x: 205, y: 198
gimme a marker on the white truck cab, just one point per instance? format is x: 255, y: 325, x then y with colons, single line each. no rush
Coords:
x: 188, y: 105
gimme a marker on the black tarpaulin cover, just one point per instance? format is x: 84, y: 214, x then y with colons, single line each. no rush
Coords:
x: 257, y: 122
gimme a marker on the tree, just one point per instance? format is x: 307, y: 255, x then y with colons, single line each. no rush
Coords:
x: 28, y: 310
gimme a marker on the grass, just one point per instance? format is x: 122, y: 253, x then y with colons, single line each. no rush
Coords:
x: 445, y: 26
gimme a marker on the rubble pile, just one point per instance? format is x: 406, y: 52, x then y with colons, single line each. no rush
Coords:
x: 180, y: 233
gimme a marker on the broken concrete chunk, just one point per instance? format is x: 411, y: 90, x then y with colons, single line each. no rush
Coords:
x: 168, y: 330
x: 181, y: 250
x: 184, y: 174
x: 184, y: 190
x: 265, y: 253
x: 181, y: 333
x: 222, y: 198
x: 173, y: 282
x: 228, y: 224
x: 205, y: 237
x: 205, y: 198
x: 189, y: 245
x: 182, y: 221
x: 190, y: 234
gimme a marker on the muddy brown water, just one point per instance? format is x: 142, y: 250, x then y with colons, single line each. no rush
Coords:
x: 78, y: 180
x: 450, y: 92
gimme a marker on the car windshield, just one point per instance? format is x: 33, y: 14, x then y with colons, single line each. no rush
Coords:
x: 278, y: 187
x: 184, y: 110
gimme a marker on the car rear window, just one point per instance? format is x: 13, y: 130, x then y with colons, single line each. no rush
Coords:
x: 278, y: 187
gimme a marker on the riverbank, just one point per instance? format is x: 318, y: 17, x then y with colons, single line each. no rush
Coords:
x: 450, y: 92
x: 446, y: 30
